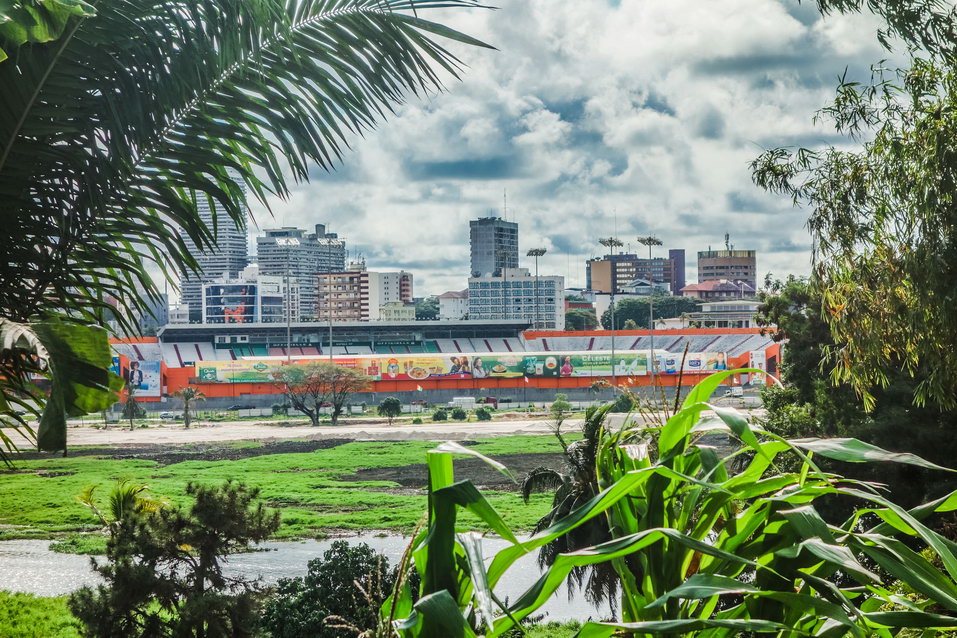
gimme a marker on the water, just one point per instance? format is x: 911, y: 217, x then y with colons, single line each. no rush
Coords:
x: 29, y: 566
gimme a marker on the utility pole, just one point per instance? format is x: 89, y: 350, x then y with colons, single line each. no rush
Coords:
x: 536, y: 253
x: 288, y: 242
x: 650, y: 241
x: 612, y: 243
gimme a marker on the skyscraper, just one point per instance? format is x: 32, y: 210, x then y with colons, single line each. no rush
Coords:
x: 494, y: 246
x: 227, y: 258
x: 314, y: 253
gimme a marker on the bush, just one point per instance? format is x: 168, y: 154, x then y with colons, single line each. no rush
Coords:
x: 280, y: 409
x: 301, y: 606
x: 625, y: 402
x: 459, y: 414
x: 390, y: 408
x: 440, y: 415
x: 483, y: 414
x: 417, y: 421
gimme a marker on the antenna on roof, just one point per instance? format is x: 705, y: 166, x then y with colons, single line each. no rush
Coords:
x: 727, y: 241
x: 505, y: 204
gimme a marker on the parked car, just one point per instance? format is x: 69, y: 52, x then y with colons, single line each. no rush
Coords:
x: 167, y: 415
x: 235, y: 407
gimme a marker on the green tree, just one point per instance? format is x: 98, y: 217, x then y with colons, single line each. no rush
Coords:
x: 390, y: 407
x: 126, y: 499
x: 163, y: 574
x: 629, y: 325
x: 312, y: 386
x: 638, y: 310
x: 131, y: 409
x: 348, y: 581
x: 189, y: 395
x: 883, y: 205
x: 427, y: 309
x: 118, y: 118
x: 580, y: 320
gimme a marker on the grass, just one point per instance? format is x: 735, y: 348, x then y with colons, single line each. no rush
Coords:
x: 28, y: 616
x: 38, y: 499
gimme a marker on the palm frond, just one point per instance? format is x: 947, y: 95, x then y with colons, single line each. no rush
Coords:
x: 541, y: 479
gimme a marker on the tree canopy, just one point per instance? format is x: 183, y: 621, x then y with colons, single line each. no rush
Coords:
x: 639, y: 310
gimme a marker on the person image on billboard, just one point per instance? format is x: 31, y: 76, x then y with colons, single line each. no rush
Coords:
x: 478, y: 369
x: 567, y: 368
x: 455, y: 366
x: 134, y: 376
x: 236, y: 307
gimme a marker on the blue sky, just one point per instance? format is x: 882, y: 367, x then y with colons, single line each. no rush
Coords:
x: 597, y: 118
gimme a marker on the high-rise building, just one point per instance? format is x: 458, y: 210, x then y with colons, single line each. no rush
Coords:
x: 306, y: 256
x: 250, y: 298
x: 357, y: 294
x: 612, y: 273
x: 518, y: 294
x: 494, y: 246
x: 226, y: 259
x: 731, y: 265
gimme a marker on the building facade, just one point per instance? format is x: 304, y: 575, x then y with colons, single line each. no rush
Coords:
x: 612, y: 272
x: 307, y: 255
x: 454, y: 305
x: 250, y: 298
x: 226, y: 259
x: 494, y: 246
x: 716, y: 314
x: 397, y: 311
x: 733, y: 265
x: 720, y: 289
x: 357, y: 294
x: 517, y: 294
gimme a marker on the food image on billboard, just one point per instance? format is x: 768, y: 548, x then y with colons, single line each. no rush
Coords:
x: 145, y: 377
x: 231, y: 303
x: 419, y: 368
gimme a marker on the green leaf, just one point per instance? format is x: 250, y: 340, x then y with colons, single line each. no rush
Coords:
x: 855, y: 451
x: 704, y: 586
x: 675, y: 626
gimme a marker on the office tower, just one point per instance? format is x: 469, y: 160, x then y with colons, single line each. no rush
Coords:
x: 307, y: 255
x: 494, y: 246
x: 731, y: 265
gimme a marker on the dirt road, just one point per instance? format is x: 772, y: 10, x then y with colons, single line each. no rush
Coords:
x: 265, y: 431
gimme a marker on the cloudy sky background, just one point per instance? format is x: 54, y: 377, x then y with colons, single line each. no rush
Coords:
x: 597, y: 118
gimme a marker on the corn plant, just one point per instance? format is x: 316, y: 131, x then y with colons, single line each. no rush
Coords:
x: 701, y: 549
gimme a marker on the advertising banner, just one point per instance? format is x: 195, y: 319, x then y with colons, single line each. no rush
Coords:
x: 145, y: 377
x: 694, y: 362
x: 239, y: 371
x: 759, y: 361
x: 231, y: 303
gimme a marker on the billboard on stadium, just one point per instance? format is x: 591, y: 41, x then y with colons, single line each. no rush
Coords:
x: 694, y: 362
x: 239, y: 371
x: 145, y: 377
x: 231, y: 303
x: 758, y: 360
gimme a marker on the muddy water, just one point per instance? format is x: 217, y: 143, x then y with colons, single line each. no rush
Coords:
x: 29, y: 566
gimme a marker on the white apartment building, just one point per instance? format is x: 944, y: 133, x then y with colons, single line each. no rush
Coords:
x: 517, y: 294
x: 454, y: 305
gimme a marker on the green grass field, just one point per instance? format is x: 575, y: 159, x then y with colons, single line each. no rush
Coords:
x: 26, y: 616
x: 38, y: 499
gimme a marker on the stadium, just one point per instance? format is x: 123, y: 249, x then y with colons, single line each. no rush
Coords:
x: 434, y: 361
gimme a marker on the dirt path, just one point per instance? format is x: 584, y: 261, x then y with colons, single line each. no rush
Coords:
x: 264, y: 431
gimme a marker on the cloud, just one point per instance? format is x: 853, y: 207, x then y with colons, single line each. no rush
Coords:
x: 597, y: 118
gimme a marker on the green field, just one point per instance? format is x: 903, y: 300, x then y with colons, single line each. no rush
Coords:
x: 26, y: 616
x: 38, y: 499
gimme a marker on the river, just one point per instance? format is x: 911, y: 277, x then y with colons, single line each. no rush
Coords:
x: 29, y: 566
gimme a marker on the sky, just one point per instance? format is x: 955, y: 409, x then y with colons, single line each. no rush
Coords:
x: 597, y: 119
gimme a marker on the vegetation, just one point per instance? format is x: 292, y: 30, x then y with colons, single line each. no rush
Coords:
x: 427, y: 309
x: 312, y: 386
x: 189, y: 395
x: 349, y: 582
x: 440, y: 415
x: 390, y: 407
x: 580, y: 320
x: 317, y: 491
x: 699, y: 550
x: 28, y: 616
x: 132, y: 409
x: 483, y: 414
x: 459, y: 414
x: 638, y: 311
x: 164, y: 569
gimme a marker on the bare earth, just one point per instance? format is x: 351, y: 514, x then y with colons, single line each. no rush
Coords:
x: 264, y: 431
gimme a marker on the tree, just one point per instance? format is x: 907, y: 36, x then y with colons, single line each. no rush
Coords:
x: 119, y: 118
x: 131, y: 409
x: 560, y: 411
x: 163, y: 574
x: 572, y: 488
x: 188, y: 396
x: 630, y: 325
x: 883, y: 205
x: 427, y: 309
x: 390, y: 407
x: 349, y: 582
x: 126, y: 499
x: 580, y: 320
x: 312, y: 386
x: 637, y: 310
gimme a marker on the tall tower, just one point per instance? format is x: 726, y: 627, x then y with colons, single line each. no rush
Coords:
x: 494, y: 246
x: 229, y: 256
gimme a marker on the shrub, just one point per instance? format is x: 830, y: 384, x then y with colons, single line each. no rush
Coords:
x: 280, y: 409
x: 440, y: 415
x: 417, y: 421
x: 459, y: 414
x: 483, y: 414
x: 302, y: 606
x: 390, y: 408
x: 624, y: 402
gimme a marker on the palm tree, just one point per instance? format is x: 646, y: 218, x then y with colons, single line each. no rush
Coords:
x: 125, y: 498
x: 189, y: 394
x: 116, y: 117
x: 572, y: 488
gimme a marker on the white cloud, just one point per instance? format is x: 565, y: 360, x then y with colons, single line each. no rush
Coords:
x: 636, y: 117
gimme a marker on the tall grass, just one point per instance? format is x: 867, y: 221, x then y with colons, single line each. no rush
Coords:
x: 28, y: 616
x: 704, y: 545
